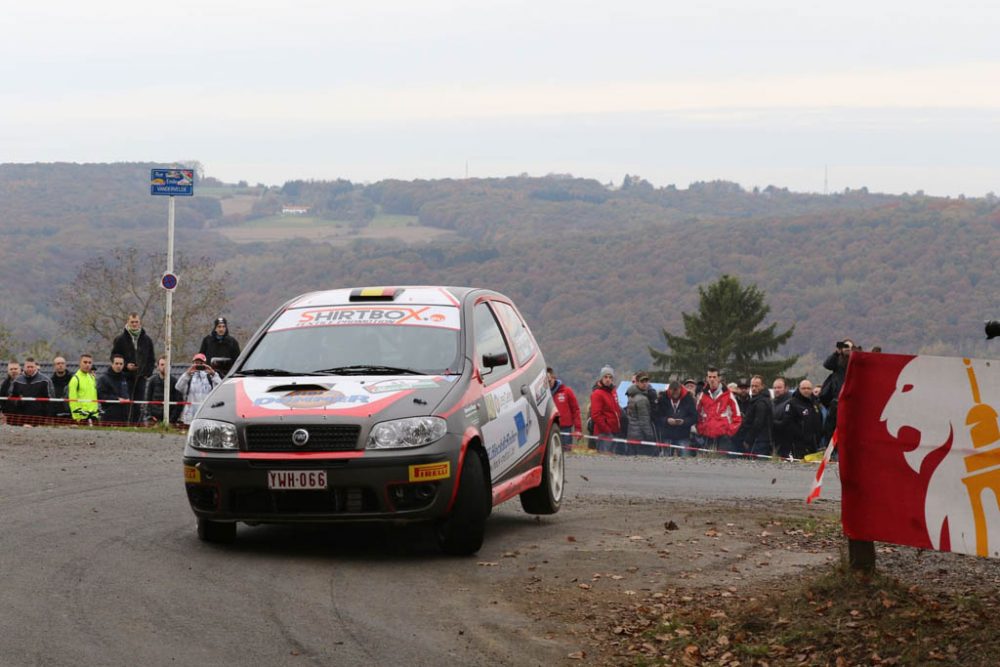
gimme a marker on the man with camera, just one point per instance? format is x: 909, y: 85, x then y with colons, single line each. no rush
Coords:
x: 195, y: 385
x: 836, y: 363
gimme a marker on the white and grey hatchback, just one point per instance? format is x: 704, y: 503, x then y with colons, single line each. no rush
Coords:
x: 379, y: 404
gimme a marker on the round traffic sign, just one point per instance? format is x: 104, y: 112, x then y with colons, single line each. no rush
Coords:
x: 168, y: 281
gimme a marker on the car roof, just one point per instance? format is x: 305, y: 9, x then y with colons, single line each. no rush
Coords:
x: 403, y: 294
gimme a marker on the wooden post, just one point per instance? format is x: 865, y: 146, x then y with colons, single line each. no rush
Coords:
x: 861, y: 555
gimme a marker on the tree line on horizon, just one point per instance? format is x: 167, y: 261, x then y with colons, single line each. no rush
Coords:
x: 599, y: 272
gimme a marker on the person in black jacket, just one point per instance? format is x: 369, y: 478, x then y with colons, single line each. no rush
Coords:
x: 829, y: 394
x: 153, y: 414
x: 136, y: 348
x: 804, y: 420
x: 780, y: 436
x: 113, y: 386
x: 676, y: 414
x: 60, y: 380
x: 220, y: 345
x: 13, y: 370
x: 32, y: 384
x: 756, y: 426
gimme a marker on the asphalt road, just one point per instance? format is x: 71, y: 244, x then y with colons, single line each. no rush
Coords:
x: 102, y: 565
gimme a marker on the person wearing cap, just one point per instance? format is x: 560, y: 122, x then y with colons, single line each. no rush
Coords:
x: 605, y: 411
x: 195, y: 385
x: 219, y: 344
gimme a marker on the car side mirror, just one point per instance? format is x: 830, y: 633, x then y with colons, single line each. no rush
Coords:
x: 491, y: 361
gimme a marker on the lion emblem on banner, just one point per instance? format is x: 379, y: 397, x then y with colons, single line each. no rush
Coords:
x: 950, y: 403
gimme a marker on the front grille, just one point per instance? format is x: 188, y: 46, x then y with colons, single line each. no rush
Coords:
x: 341, y: 500
x: 322, y: 438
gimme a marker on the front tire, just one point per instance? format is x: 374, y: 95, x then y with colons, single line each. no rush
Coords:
x: 461, y: 532
x: 219, y: 532
x: 547, y: 496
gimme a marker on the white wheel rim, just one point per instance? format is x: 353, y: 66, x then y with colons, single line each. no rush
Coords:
x: 556, y: 469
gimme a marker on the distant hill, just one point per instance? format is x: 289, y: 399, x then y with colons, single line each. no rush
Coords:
x: 598, y: 271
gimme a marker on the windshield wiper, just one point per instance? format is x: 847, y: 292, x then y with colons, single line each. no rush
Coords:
x: 265, y: 371
x: 369, y: 369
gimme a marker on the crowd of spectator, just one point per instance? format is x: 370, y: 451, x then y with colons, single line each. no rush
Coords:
x: 130, y: 391
x: 743, y: 416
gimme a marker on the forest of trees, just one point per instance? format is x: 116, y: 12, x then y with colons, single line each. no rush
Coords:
x: 600, y: 272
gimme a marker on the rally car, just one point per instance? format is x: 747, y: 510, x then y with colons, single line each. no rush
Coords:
x: 379, y: 404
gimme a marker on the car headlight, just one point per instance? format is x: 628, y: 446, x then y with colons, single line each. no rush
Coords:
x: 212, y: 434
x: 412, y: 432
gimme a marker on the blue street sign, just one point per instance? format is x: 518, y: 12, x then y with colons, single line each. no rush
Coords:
x: 173, y: 182
x: 168, y: 281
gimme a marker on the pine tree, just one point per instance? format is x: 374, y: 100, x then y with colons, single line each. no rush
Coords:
x: 724, y: 333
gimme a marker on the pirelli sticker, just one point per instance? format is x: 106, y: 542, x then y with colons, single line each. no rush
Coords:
x: 192, y: 475
x: 427, y: 472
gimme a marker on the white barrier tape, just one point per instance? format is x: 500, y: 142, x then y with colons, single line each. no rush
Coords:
x: 43, y: 399
x: 664, y: 445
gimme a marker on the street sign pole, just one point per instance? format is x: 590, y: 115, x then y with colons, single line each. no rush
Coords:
x: 170, y: 181
x: 169, y: 308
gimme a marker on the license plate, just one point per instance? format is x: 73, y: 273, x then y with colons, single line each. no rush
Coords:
x: 296, y: 480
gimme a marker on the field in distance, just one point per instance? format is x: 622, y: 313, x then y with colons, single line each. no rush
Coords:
x: 404, y: 228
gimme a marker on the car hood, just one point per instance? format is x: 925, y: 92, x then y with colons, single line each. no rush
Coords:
x: 388, y: 396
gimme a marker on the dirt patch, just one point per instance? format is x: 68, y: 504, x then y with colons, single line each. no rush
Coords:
x: 729, y: 584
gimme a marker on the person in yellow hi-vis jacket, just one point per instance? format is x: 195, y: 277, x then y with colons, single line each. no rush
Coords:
x: 82, y: 392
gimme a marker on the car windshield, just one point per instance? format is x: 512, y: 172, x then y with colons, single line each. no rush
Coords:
x: 349, y: 350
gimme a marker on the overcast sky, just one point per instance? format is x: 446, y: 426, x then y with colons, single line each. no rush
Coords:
x: 895, y: 96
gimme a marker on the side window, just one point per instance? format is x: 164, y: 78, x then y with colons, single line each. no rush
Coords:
x: 489, y: 340
x: 517, y: 330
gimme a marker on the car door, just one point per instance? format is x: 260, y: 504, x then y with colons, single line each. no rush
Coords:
x: 511, y: 429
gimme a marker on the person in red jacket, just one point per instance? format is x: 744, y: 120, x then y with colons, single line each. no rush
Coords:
x: 569, y: 410
x: 605, y: 411
x: 718, y: 414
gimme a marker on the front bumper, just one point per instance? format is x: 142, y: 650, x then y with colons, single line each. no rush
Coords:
x: 413, y: 485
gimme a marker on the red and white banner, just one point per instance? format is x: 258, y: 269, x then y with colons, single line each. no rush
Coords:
x: 919, y: 443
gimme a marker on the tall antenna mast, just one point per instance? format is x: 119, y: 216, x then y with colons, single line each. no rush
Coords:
x: 826, y: 174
